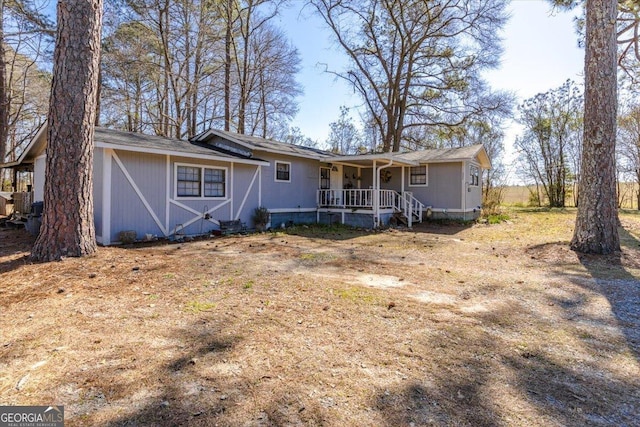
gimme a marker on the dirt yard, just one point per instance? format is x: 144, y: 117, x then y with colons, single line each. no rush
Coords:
x: 496, y: 325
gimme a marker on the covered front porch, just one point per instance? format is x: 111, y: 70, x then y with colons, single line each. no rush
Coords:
x: 347, y: 206
x: 382, y: 200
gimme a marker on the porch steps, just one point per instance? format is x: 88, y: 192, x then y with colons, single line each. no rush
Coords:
x: 399, y: 218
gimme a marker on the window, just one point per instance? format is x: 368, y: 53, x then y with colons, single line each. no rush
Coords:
x: 188, y: 181
x: 474, y: 171
x: 418, y: 175
x: 197, y: 181
x: 214, y: 182
x: 325, y: 178
x: 283, y: 171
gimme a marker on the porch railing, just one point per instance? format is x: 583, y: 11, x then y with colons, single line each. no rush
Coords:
x: 406, y: 203
x: 356, y: 198
x: 353, y: 198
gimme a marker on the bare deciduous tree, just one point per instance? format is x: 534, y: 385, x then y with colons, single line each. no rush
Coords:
x: 629, y: 35
x: 416, y: 64
x: 552, y: 121
x: 628, y: 144
x: 165, y: 62
x: 344, y: 137
x: 271, y: 87
x: 24, y: 33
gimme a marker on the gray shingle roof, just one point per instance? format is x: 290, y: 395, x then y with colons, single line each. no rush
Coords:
x: 129, y: 139
x: 270, y: 145
x: 424, y: 156
x: 442, y: 154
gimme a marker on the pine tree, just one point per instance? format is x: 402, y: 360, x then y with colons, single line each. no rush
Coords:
x: 68, y: 224
x: 596, y: 229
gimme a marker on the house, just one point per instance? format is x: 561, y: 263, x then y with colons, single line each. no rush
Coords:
x: 165, y: 187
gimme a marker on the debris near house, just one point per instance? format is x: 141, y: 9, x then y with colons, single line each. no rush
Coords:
x: 232, y: 227
x: 127, y: 236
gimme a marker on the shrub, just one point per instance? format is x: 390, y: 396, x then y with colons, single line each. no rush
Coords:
x: 260, y: 217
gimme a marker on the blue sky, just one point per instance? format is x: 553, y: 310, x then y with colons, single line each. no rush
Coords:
x: 541, y: 52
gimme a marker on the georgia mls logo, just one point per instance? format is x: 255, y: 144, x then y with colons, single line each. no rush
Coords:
x: 31, y: 416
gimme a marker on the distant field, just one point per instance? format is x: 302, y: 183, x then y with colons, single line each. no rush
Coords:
x: 518, y: 195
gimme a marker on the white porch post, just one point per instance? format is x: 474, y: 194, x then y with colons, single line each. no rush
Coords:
x: 375, y: 195
x: 106, y: 196
x: 231, y: 190
x: 167, y: 208
x: 260, y: 185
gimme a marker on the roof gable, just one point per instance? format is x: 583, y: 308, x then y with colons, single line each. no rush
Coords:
x: 35, y: 147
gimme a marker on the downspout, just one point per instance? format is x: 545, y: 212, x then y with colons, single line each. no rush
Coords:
x: 376, y: 208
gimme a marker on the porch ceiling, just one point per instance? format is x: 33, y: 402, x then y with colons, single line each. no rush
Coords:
x: 366, y: 160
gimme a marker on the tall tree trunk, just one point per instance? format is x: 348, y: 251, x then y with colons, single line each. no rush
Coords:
x: 163, y: 22
x: 68, y: 224
x: 596, y: 229
x: 98, y: 93
x: 227, y: 65
x: 4, y: 105
x: 244, y: 72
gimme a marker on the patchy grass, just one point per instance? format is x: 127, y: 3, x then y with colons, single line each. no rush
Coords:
x: 448, y: 324
x: 497, y: 218
x: 199, y: 306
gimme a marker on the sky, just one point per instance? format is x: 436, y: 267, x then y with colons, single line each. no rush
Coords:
x: 540, y: 53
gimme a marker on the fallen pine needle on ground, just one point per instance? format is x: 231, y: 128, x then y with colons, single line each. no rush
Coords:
x: 445, y: 324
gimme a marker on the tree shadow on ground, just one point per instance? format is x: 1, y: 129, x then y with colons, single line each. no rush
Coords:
x: 180, y: 395
x: 591, y: 394
x: 571, y: 397
x: 417, y: 404
x: 442, y: 227
x: 12, y: 242
x: 609, y: 276
x: 496, y: 380
x: 613, y: 280
x: 205, y: 386
x: 454, y: 388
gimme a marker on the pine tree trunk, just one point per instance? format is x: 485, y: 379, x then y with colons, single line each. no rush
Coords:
x: 227, y: 66
x: 68, y: 227
x: 4, y: 104
x: 596, y: 228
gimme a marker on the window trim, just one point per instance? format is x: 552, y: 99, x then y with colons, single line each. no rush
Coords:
x: 202, y: 168
x: 275, y: 171
x: 426, y: 176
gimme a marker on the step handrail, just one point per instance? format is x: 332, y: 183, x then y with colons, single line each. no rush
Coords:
x: 409, y: 206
